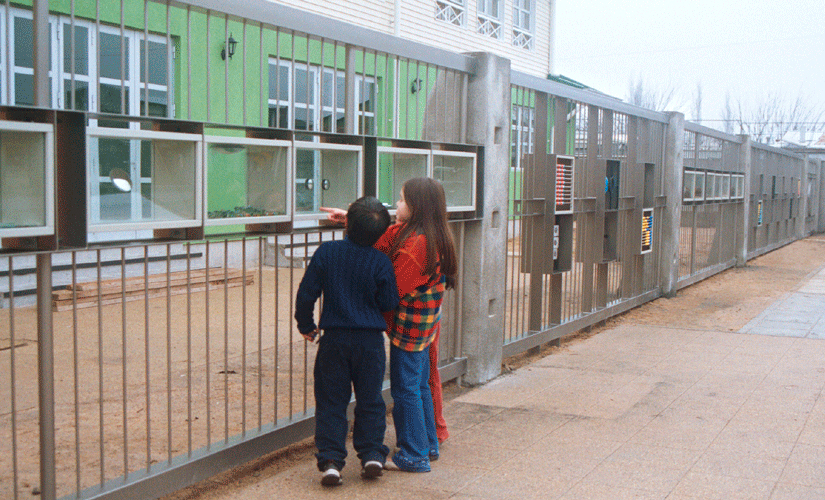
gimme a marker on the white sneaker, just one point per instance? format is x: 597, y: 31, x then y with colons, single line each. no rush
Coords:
x: 372, y: 469
x: 331, y: 477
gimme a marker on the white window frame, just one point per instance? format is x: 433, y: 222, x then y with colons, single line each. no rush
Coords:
x: 452, y: 11
x: 490, y: 24
x: 522, y: 132
x: 317, y: 104
x: 523, y: 36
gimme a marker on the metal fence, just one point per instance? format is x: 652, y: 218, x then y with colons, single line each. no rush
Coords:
x: 131, y: 370
x: 599, y: 259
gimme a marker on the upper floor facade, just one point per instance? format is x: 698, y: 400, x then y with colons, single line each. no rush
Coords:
x: 520, y: 30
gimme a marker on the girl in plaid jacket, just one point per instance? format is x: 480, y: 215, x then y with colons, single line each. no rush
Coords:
x: 421, y: 248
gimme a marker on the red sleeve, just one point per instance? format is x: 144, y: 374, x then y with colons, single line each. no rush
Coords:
x: 408, y: 262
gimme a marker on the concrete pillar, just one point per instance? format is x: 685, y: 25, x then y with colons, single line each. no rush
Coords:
x: 485, y: 240
x: 743, y: 235
x: 672, y: 213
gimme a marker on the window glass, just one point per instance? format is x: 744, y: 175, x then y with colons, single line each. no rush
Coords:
x: 81, y: 49
x: 110, y: 56
x: 23, y: 90
x: 157, y: 62
x: 23, y: 48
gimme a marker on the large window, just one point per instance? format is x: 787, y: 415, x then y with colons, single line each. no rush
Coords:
x: 523, y: 22
x: 490, y: 13
x: 301, y: 100
x: 451, y: 11
x: 522, y: 130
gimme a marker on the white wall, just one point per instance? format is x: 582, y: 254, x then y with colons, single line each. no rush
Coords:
x: 418, y: 23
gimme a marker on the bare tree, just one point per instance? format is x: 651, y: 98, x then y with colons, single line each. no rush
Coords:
x: 769, y: 118
x: 728, y: 116
x: 644, y: 96
x: 697, y: 103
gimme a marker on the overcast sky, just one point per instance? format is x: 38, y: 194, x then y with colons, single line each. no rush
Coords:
x: 747, y: 47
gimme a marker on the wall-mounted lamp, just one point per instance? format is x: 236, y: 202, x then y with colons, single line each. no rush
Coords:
x: 120, y: 178
x: 229, y: 48
x: 416, y: 85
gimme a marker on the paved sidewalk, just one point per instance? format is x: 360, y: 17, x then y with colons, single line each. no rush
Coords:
x: 635, y: 412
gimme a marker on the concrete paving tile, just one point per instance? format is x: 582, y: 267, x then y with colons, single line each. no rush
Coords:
x: 618, y: 430
x: 680, y: 430
x: 507, y: 485
x: 813, y: 432
x: 806, y: 466
x: 515, y: 429
x: 597, y: 491
x: 443, y: 478
x: 671, y: 458
x: 718, y: 487
x: 634, y: 475
x: 738, y: 465
x: 460, y: 415
x: 777, y: 332
x: 785, y: 491
x: 475, y: 456
x: 575, y: 444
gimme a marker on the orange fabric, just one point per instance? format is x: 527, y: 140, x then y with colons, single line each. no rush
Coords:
x: 435, y: 389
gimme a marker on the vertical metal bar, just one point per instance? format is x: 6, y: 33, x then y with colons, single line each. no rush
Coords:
x: 309, y: 102
x: 97, y: 58
x: 189, y: 61
x: 275, y: 363
x: 278, y: 79
x: 207, y: 367
x: 189, y: 348
x: 101, y: 396
x: 305, y: 344
x: 72, y: 104
x: 13, y: 380
x: 243, y: 335
x: 123, y: 353
x: 261, y: 249
x: 122, y: 43
x: 291, y: 314
x: 76, y: 374
x: 263, y: 80
x: 40, y: 45
x: 322, y: 70
x: 147, y: 354
x: 169, y: 410
x: 207, y: 71
x: 169, y: 64
x: 225, y: 340
x: 226, y: 68
x: 146, y: 59
x: 243, y: 68
x: 9, y: 62
x: 464, y: 88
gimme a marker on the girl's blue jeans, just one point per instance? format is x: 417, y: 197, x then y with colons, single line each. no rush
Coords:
x: 413, y: 404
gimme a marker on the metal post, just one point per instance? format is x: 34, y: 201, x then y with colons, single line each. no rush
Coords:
x: 671, y: 214
x: 45, y: 347
x: 45, y: 359
x: 744, y: 230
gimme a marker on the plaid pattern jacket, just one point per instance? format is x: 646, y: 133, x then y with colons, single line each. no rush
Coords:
x: 412, y: 326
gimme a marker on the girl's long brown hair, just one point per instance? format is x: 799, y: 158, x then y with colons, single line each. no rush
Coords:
x: 428, y: 216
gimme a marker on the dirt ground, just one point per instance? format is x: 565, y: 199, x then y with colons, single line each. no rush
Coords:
x: 728, y: 301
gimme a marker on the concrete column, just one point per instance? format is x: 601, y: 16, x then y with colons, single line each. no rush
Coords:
x: 743, y: 236
x: 671, y: 215
x: 485, y: 240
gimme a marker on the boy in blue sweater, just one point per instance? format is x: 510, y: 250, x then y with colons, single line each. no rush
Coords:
x: 358, y: 284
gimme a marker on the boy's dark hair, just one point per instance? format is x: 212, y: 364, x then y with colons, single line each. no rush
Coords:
x: 367, y: 219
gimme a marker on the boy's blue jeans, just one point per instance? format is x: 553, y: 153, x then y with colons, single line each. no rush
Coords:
x: 345, y: 360
x: 412, y: 410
